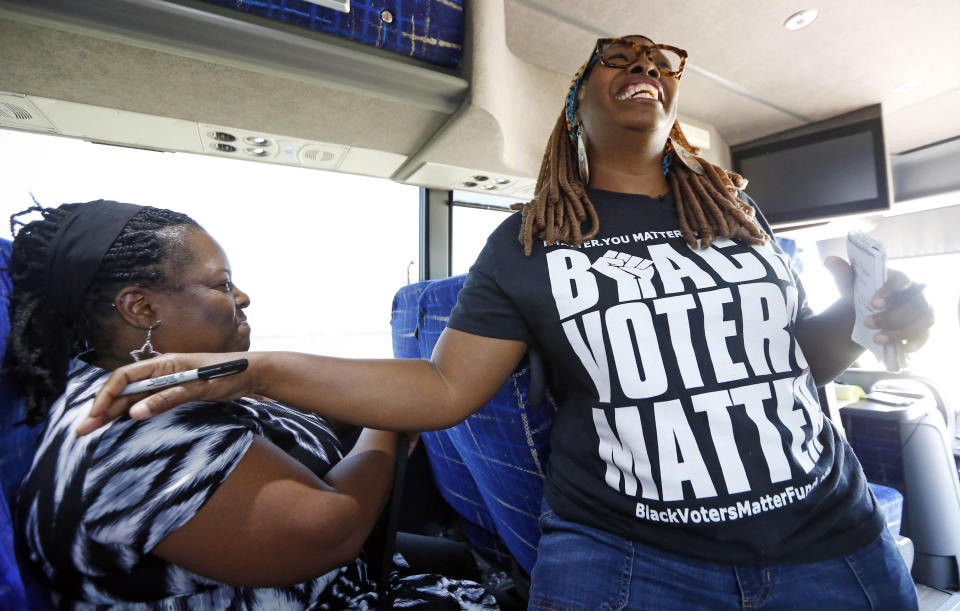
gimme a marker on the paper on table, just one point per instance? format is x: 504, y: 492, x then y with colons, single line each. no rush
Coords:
x: 868, y: 258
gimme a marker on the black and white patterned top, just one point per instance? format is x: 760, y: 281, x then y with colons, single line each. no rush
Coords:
x: 91, y: 508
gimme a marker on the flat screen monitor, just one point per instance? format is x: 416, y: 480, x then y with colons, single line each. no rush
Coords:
x: 820, y: 175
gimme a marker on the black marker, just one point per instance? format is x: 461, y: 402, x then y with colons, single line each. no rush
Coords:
x: 209, y: 372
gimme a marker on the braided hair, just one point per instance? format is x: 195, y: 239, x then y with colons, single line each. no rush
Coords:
x: 706, y: 204
x: 42, y: 339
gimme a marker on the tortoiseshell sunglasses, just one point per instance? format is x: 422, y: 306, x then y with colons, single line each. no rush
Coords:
x: 622, y: 52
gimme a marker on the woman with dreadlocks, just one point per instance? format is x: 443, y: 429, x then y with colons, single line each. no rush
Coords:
x: 691, y: 465
x: 241, y: 504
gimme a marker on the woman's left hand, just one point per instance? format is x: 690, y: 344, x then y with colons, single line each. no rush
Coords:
x: 905, y: 317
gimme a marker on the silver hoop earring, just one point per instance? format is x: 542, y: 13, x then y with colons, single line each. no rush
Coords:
x: 582, y: 162
x: 146, y: 351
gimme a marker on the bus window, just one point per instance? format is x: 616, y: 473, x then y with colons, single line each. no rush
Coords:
x: 473, y: 217
x: 936, y: 359
x: 320, y: 253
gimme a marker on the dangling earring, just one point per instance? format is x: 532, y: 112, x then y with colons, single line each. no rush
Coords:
x: 688, y: 159
x: 582, y: 155
x: 146, y: 351
x: 667, y: 157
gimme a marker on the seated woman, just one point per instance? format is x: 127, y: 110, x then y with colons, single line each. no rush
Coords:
x: 244, y: 504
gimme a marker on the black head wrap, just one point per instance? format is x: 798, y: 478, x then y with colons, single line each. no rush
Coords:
x: 78, y: 248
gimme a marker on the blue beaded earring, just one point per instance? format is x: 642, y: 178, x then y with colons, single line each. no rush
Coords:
x: 667, y: 157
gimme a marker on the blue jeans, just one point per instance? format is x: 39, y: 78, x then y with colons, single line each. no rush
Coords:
x: 582, y: 568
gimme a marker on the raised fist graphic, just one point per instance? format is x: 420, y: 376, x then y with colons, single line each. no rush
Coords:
x: 633, y: 274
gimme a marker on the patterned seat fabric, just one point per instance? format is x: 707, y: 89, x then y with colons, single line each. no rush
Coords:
x: 491, y: 466
x: 453, y: 479
x: 891, y: 504
x: 17, y: 446
x: 428, y: 30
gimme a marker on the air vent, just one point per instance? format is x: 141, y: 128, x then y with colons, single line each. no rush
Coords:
x: 12, y: 111
x: 18, y: 112
x: 323, y: 156
x: 317, y: 156
x: 443, y: 176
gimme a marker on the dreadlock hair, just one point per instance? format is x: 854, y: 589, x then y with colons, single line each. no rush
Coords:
x: 42, y: 339
x: 706, y: 204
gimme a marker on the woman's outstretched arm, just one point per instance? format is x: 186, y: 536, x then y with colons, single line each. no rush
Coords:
x: 391, y: 394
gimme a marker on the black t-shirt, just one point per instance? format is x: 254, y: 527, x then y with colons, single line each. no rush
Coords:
x: 687, y: 419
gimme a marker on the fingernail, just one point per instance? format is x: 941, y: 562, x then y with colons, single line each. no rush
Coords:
x: 869, y: 323
x: 879, y: 303
x: 139, y: 412
x: 881, y: 338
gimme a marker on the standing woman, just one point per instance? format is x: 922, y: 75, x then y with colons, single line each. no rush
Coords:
x: 691, y: 465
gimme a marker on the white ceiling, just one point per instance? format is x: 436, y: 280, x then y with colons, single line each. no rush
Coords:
x: 749, y: 77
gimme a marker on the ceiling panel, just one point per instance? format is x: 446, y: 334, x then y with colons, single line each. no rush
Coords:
x: 563, y: 51
x: 911, y: 127
x: 853, y: 55
x: 738, y: 118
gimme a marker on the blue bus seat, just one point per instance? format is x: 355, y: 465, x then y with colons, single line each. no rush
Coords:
x: 890, y: 501
x: 909, y: 448
x: 19, y: 443
x: 19, y: 588
x: 12, y: 591
x: 505, y: 445
x: 451, y: 476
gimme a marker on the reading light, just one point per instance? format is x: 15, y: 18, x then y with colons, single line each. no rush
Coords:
x: 800, y: 19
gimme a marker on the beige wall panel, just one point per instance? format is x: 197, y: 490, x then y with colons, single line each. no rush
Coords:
x: 510, y: 110
x: 719, y: 151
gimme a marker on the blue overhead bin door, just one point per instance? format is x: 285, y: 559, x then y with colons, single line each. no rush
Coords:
x: 428, y: 30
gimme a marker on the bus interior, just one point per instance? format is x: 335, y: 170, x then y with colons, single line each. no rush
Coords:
x: 353, y: 155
